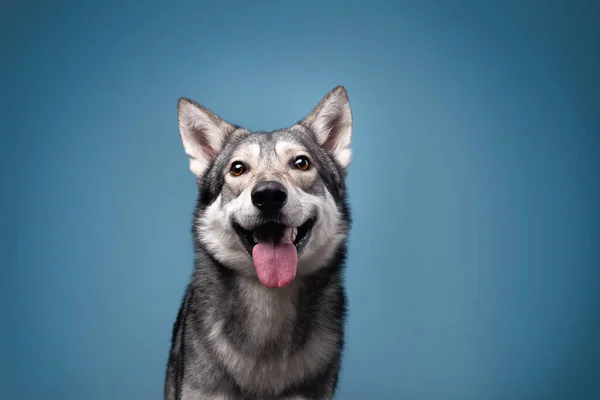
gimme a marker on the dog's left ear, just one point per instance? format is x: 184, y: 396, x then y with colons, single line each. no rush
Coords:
x: 331, y: 122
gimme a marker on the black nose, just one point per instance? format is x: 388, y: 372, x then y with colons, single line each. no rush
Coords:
x: 269, y: 196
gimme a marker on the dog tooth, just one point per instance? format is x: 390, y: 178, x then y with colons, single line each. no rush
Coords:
x: 294, y: 234
x: 255, y: 237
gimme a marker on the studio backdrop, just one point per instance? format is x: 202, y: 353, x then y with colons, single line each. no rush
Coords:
x: 473, y: 267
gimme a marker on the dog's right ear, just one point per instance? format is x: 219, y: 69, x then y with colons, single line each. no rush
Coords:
x: 331, y: 122
x: 203, y: 134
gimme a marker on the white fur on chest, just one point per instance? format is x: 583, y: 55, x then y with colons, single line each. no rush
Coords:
x: 272, y: 313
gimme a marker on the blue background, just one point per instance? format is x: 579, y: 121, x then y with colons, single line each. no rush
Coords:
x: 474, y: 260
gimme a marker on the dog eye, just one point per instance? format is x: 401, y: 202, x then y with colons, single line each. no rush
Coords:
x: 302, y: 163
x: 237, y: 168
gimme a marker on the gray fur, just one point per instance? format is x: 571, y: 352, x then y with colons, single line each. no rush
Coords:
x: 234, y: 338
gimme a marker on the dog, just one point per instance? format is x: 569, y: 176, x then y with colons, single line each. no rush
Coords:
x: 263, y: 315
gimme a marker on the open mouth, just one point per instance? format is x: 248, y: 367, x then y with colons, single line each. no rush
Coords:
x: 274, y: 249
x: 273, y: 232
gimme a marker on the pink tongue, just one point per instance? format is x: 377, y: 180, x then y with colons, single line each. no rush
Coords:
x: 275, y: 263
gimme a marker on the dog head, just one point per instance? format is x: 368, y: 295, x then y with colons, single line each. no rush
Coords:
x: 272, y: 204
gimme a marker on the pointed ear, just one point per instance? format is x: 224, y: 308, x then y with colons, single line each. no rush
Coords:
x: 203, y: 134
x: 331, y: 122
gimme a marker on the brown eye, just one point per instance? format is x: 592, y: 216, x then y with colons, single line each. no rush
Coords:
x: 302, y: 163
x: 237, y: 168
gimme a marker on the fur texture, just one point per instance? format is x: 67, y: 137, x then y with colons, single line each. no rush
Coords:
x: 234, y: 337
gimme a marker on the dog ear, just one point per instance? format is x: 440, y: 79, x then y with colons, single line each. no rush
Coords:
x: 203, y: 134
x: 331, y: 123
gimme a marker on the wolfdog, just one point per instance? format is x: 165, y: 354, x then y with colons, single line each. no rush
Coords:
x: 263, y: 315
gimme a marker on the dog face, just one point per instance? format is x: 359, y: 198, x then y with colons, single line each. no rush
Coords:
x: 271, y: 204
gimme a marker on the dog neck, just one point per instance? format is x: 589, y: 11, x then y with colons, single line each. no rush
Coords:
x: 269, y: 312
